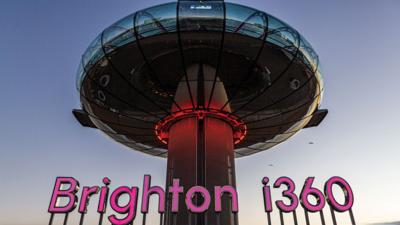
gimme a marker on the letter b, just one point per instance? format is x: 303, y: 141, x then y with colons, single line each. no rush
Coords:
x: 70, y: 193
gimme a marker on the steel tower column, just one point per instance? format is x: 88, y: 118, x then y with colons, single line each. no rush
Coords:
x: 200, y: 151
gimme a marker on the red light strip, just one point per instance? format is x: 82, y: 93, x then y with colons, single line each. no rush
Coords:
x: 239, y: 127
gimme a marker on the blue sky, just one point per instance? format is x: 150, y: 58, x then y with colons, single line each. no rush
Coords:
x: 40, y: 47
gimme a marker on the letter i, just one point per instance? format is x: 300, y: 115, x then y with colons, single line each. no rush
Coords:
x: 267, y: 199
x: 267, y: 195
x: 103, y: 197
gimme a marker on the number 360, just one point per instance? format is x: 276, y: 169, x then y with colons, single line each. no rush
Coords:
x: 306, y: 192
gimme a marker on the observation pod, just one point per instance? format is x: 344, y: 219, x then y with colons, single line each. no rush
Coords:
x: 200, y: 82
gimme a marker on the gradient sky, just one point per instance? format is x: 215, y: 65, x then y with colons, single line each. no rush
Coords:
x: 41, y: 43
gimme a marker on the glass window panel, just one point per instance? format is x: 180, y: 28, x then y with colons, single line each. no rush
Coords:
x: 80, y: 76
x: 310, y: 57
x: 126, y: 22
x: 280, y: 75
x: 244, y: 34
x: 201, y: 25
x: 318, y: 75
x: 156, y: 20
x: 235, y: 15
x: 158, y: 40
x: 285, y: 37
x: 254, y: 26
x: 244, y: 20
x: 93, y: 53
x: 274, y: 23
x: 203, y: 16
x: 164, y: 64
x: 119, y: 34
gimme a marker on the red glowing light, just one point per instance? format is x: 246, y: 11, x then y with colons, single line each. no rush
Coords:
x: 238, y: 126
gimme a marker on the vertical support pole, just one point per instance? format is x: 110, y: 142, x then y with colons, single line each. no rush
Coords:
x: 295, y: 218
x: 269, y: 218
x: 281, y: 217
x: 105, y: 201
x: 82, y: 218
x: 174, y: 219
x: 51, y: 219
x: 307, y: 217
x: 101, y: 219
x: 66, y: 219
x: 333, y: 215
x: 144, y: 219
x: 190, y: 218
x: 353, y: 221
x: 321, y: 213
x: 161, y: 218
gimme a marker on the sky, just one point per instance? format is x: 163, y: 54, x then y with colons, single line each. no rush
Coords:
x: 41, y: 43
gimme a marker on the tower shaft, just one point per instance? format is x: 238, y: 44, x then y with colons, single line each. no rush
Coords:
x: 200, y: 152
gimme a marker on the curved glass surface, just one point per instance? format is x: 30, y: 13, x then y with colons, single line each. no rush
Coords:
x: 282, y: 35
x: 118, y: 34
x: 163, y: 18
x: 195, y: 16
x: 238, y: 39
x: 156, y: 20
x: 93, y: 53
x: 244, y: 20
x: 80, y: 74
x: 310, y: 57
x: 318, y: 75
